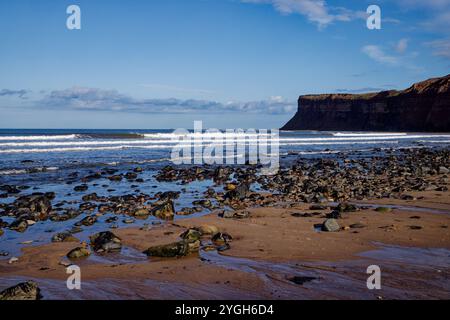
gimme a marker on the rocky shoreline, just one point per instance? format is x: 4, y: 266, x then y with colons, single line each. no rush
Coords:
x: 306, y: 212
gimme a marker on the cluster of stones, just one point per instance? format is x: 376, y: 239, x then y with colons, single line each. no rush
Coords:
x: 341, y: 180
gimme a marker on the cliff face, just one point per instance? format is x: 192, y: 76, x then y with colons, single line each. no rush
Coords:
x: 423, y: 107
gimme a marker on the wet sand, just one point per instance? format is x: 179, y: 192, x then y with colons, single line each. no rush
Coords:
x: 411, y: 245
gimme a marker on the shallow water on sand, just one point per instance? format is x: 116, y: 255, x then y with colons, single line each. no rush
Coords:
x: 321, y: 280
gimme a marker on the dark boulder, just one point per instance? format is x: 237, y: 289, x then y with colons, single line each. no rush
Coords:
x: 64, y: 237
x: 78, y: 253
x: 23, y: 291
x: 239, y: 193
x: 172, y: 250
x: 81, y: 188
x: 165, y: 211
x: 106, y: 242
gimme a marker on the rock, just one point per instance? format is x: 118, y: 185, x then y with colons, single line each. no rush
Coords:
x: 88, y: 206
x: 142, y: 212
x: 221, y: 238
x: 345, y: 207
x: 105, y: 242
x: 91, y: 177
x: 165, y: 211
x: 334, y: 215
x: 168, y: 195
x: 78, y: 253
x: 50, y: 195
x: 242, y: 215
x: 230, y: 187
x: 128, y: 221
x: 81, y: 188
x: 67, y: 215
x: 90, y: 197
x: 176, y: 249
x: 2, y: 232
x: 19, y: 225
x: 115, y: 178
x: 10, y: 189
x: 88, y: 221
x: 75, y: 229
x: 111, y: 219
x: 239, y: 193
x: 203, y: 203
x: 191, y: 235
x: 23, y: 291
x: 36, y: 204
x: 227, y: 214
x: 443, y: 170
x: 207, y: 229
x: 186, y: 212
x: 331, y: 225
x: 131, y: 176
x: 3, y: 224
x: 13, y: 260
x: 64, y: 237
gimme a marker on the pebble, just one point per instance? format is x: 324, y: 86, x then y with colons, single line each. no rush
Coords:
x: 331, y: 225
x: 13, y: 260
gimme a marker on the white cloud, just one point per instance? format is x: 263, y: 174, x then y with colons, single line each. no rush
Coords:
x: 92, y: 99
x: 379, y: 55
x: 376, y: 53
x: 316, y: 11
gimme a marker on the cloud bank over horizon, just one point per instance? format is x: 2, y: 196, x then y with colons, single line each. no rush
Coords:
x: 94, y: 99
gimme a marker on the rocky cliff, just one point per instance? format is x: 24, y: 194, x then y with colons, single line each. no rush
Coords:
x: 424, y: 107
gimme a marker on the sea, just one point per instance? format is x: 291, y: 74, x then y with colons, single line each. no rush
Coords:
x: 30, y: 151
x: 48, y: 160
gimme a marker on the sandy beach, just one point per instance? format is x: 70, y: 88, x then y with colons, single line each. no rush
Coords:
x: 276, y: 252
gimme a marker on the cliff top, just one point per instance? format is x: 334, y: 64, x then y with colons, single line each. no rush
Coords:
x: 433, y: 85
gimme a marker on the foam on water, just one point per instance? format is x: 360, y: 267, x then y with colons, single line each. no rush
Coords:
x: 23, y: 150
x: 239, y: 139
x: 43, y: 137
x: 368, y: 134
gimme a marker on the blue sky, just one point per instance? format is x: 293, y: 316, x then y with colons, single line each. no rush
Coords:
x: 230, y: 63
